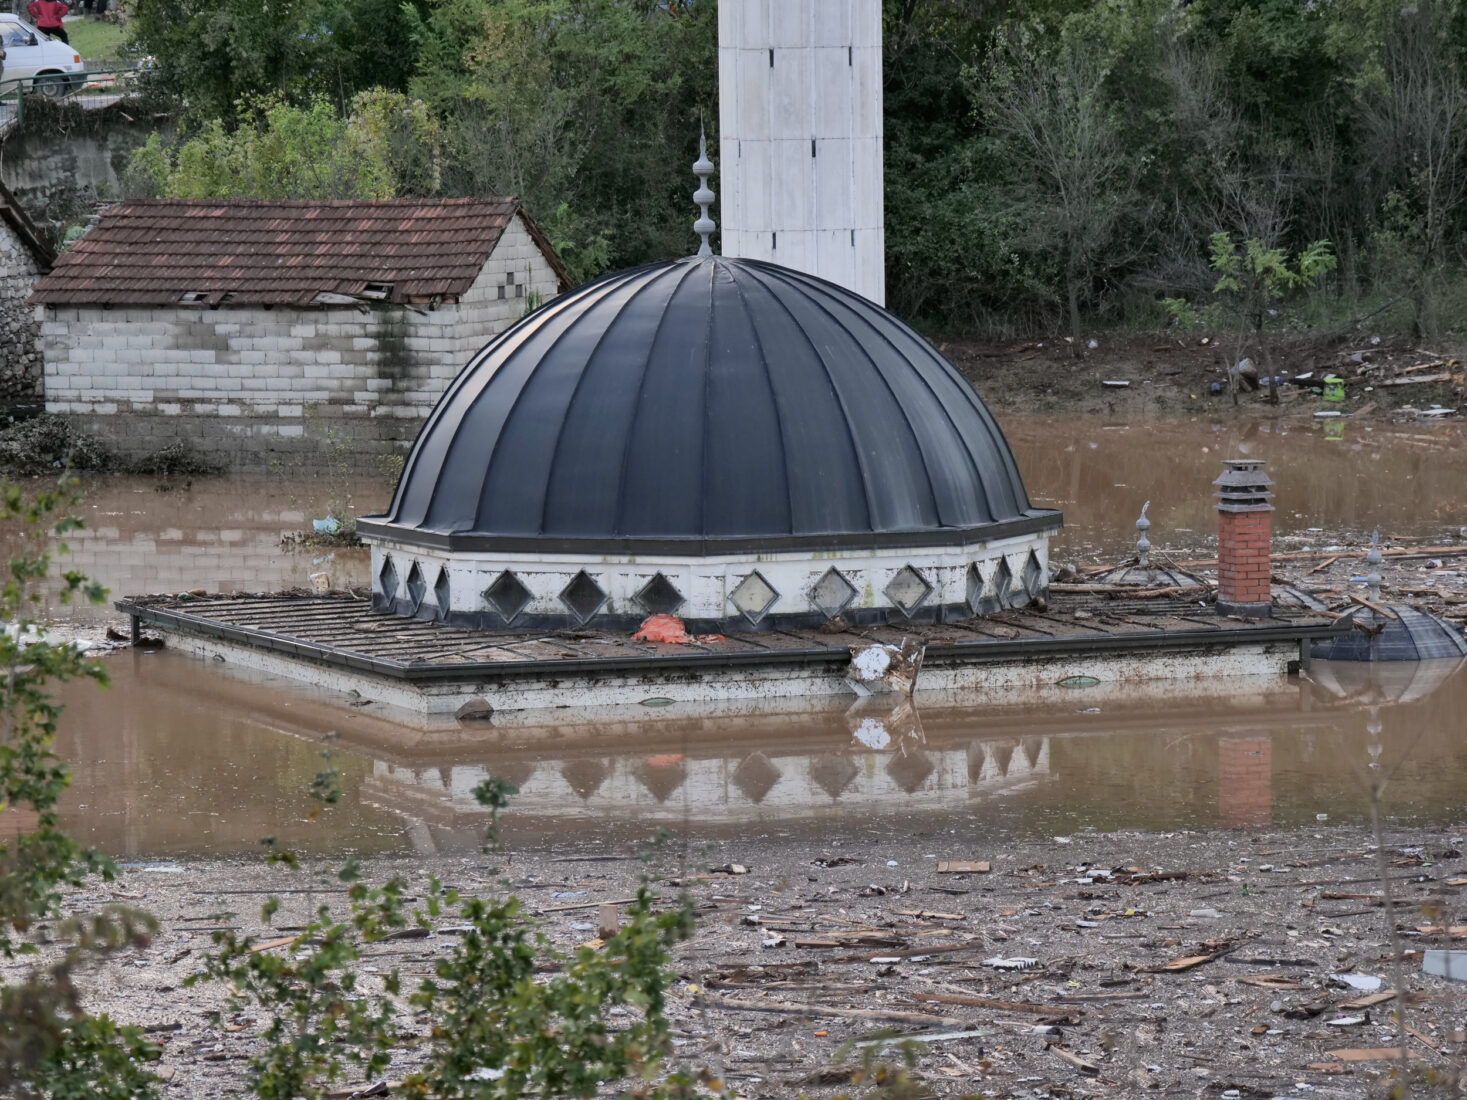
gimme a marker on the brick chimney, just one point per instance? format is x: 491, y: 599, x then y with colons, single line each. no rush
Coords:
x: 1244, y: 532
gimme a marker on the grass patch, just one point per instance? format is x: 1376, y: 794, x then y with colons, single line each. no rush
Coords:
x: 101, y: 42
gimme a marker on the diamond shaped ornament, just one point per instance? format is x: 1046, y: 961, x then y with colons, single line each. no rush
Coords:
x: 907, y: 590
x: 976, y: 584
x: 388, y: 579
x: 660, y: 596
x: 1001, y: 582
x: 417, y: 587
x: 583, y: 597
x: 508, y: 596
x: 832, y: 593
x: 753, y: 597
x: 1033, y: 575
x: 442, y: 592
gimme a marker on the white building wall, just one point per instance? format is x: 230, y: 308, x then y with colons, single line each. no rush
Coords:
x: 800, y: 132
x: 708, y: 584
x: 246, y: 382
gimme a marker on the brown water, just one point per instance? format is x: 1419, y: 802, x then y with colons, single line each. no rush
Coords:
x: 180, y: 757
x: 221, y: 535
x: 1407, y: 480
x: 176, y: 759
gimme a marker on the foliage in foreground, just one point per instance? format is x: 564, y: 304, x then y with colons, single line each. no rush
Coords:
x: 49, y: 1045
x: 495, y: 1030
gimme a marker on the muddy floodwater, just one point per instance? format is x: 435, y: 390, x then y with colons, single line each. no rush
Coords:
x: 181, y: 757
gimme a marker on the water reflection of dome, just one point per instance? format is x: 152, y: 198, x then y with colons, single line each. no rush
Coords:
x: 731, y: 417
x: 1384, y: 681
x: 834, y: 772
x: 662, y: 775
x: 764, y: 784
x: 910, y: 769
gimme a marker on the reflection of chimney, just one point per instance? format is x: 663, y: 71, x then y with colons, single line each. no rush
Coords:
x: 1244, y: 782
x: 1244, y: 529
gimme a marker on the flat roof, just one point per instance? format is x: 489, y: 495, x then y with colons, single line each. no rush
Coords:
x: 342, y: 631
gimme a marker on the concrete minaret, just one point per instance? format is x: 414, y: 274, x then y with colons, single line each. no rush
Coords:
x: 799, y: 108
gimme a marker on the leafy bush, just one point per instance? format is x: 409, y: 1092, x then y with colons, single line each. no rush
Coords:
x: 49, y: 1045
x: 495, y: 1031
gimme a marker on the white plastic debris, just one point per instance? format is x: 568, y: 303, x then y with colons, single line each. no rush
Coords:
x: 998, y: 962
x: 1451, y: 965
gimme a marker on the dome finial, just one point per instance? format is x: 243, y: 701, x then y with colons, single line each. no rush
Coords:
x: 1372, y: 579
x: 1143, y: 544
x: 703, y: 168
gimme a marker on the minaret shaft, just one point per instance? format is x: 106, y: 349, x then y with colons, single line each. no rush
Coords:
x: 800, y: 137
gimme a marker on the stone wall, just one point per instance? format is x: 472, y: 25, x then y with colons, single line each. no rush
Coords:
x: 20, y: 352
x: 59, y: 178
x: 261, y: 388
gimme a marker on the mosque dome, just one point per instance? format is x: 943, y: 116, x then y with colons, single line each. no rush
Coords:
x: 704, y: 404
x: 708, y: 421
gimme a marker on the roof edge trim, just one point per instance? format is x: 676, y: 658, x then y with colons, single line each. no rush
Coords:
x: 1046, y: 521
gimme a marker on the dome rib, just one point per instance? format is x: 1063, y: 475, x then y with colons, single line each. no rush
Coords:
x: 455, y: 400
x: 583, y: 319
x: 912, y: 433
x: 924, y: 362
x: 618, y: 518
x: 868, y: 315
x: 789, y: 498
x: 825, y: 424
x: 840, y: 400
x: 555, y: 450
x: 707, y: 433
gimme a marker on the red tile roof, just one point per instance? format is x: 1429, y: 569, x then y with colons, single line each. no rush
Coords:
x: 154, y: 251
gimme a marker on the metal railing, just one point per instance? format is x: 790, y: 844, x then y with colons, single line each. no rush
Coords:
x: 90, y: 90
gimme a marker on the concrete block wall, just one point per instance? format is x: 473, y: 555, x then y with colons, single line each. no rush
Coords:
x: 284, y: 386
x: 800, y: 137
x: 20, y: 350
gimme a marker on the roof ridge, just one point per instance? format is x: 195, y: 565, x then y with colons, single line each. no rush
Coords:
x: 315, y: 204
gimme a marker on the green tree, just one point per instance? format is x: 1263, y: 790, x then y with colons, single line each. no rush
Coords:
x: 1071, y: 187
x: 586, y: 110
x: 387, y: 147
x: 49, y: 1045
x: 214, y: 53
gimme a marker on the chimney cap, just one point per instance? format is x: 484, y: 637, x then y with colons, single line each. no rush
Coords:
x: 1243, y: 486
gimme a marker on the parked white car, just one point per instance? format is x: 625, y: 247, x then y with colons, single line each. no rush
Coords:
x: 52, y: 67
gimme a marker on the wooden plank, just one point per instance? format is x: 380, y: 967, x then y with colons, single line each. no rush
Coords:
x: 963, y: 867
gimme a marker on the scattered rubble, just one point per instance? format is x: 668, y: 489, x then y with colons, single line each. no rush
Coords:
x: 1081, y: 969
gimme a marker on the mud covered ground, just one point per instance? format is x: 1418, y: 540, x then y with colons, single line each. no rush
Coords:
x: 1182, y: 964
x: 1171, y: 375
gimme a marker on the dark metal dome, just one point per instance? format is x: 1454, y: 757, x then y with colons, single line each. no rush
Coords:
x: 1411, y: 636
x: 705, y: 405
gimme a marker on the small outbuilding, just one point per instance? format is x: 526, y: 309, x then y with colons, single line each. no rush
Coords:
x: 24, y: 258
x: 260, y: 329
